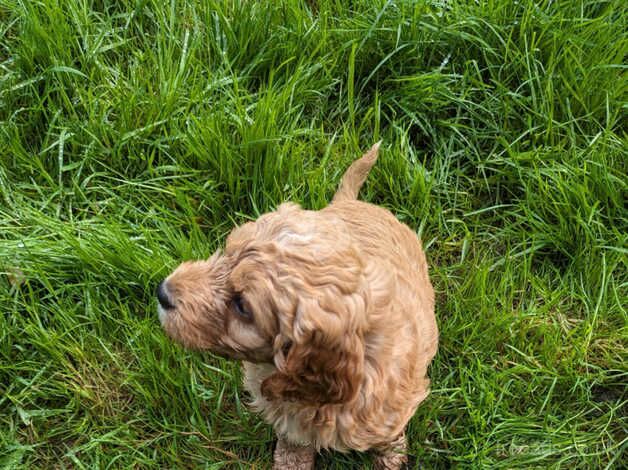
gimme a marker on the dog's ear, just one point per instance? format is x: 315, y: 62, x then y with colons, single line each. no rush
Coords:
x: 320, y: 357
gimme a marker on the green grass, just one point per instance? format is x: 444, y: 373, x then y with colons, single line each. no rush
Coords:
x: 136, y: 134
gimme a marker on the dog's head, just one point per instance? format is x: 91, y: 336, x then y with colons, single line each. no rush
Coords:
x: 289, y: 289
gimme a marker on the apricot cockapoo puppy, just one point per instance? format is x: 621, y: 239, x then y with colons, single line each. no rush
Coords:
x: 332, y: 314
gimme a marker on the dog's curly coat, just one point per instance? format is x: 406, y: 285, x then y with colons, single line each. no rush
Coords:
x: 332, y: 312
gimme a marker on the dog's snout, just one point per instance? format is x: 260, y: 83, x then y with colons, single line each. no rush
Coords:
x: 163, y: 296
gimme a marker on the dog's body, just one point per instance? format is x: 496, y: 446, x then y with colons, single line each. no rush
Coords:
x: 400, y: 341
x: 344, y: 326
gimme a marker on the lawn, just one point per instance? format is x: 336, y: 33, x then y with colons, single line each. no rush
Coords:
x: 136, y: 134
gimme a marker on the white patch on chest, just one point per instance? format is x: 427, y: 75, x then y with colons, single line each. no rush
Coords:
x: 285, y: 417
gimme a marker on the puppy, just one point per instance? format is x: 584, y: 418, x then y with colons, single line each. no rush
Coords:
x: 332, y: 314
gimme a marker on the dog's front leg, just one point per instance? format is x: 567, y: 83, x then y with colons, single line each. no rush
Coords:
x: 291, y: 456
x: 393, y: 456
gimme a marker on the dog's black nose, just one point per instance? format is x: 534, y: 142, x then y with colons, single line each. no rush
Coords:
x: 163, y: 297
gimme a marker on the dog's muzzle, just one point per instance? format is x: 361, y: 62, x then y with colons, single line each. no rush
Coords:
x: 165, y: 301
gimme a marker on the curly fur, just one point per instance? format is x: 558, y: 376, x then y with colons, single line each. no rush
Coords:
x: 339, y: 327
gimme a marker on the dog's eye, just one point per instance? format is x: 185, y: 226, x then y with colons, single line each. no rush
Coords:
x: 285, y: 349
x: 239, y: 307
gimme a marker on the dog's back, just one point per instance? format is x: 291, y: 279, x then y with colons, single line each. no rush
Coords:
x: 376, y: 227
x: 403, y: 334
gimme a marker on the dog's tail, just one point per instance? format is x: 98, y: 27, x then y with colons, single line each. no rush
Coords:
x: 355, y: 175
